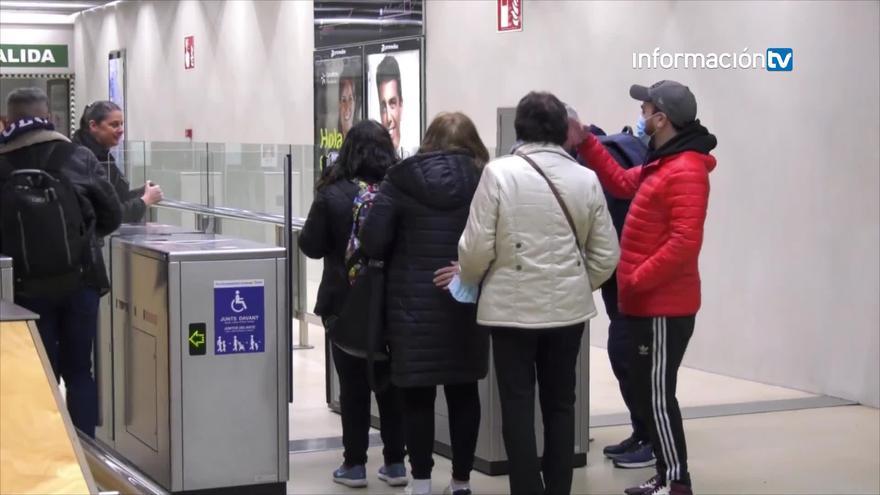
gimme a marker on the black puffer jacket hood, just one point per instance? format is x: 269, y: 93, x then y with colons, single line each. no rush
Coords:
x: 415, y: 224
x: 440, y: 180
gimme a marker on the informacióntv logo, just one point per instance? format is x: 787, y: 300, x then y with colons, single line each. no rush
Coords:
x: 773, y: 60
x: 780, y: 59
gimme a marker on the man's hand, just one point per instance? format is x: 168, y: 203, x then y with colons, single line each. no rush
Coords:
x: 443, y: 277
x: 152, y: 194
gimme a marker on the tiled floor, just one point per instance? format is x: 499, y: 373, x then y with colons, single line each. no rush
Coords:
x: 816, y: 451
x: 830, y: 450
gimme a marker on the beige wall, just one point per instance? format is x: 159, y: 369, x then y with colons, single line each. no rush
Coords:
x: 790, y: 261
x: 253, y: 77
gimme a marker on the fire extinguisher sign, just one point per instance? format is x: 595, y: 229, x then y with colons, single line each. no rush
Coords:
x: 189, y: 52
x: 509, y: 15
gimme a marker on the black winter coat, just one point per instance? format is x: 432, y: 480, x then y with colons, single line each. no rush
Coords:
x: 325, y: 235
x: 100, y: 209
x: 415, y: 224
x: 133, y: 207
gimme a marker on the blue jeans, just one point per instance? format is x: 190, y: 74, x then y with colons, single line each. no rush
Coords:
x: 67, y: 327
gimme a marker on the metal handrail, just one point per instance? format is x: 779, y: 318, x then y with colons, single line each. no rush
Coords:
x: 231, y: 213
x: 296, y: 226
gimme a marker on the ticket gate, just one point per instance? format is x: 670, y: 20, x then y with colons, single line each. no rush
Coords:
x: 201, y: 345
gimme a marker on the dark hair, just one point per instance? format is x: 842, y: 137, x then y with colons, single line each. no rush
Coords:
x: 366, y: 154
x: 26, y: 102
x: 97, y: 111
x: 541, y: 118
x: 388, y: 70
x: 454, y: 131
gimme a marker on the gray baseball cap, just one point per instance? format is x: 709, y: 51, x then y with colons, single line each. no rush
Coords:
x: 670, y: 97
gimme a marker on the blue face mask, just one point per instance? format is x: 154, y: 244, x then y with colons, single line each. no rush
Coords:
x: 640, y: 127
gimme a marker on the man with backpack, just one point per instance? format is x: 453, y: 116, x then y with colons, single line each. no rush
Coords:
x: 658, y: 275
x: 636, y: 451
x: 55, y: 204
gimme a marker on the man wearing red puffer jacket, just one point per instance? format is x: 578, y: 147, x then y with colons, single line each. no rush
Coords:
x: 658, y: 276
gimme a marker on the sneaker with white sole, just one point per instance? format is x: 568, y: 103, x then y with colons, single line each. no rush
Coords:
x: 640, y: 457
x: 620, y: 448
x: 418, y: 487
x: 351, y: 476
x: 673, y: 489
x: 645, y: 488
x: 393, y: 474
x: 456, y: 491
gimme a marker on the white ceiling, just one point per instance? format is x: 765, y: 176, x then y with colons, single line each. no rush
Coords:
x: 45, y: 11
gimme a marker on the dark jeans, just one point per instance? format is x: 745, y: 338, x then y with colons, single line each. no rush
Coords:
x: 463, y: 402
x: 620, y: 354
x: 354, y: 398
x: 657, y: 350
x: 619, y: 345
x: 550, y: 355
x: 67, y: 328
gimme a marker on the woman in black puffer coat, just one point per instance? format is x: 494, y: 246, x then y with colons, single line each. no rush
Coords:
x: 365, y: 156
x: 415, y: 224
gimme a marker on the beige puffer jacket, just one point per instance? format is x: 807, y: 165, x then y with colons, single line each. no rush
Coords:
x: 519, y: 244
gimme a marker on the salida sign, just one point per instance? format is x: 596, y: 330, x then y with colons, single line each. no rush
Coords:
x: 33, y: 55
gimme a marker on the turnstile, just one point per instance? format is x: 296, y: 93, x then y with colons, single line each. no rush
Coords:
x: 490, y: 456
x: 201, y: 347
x: 103, y: 361
x: 7, y: 283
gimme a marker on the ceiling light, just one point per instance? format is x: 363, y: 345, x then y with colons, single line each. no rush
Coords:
x: 12, y: 17
x: 48, y: 5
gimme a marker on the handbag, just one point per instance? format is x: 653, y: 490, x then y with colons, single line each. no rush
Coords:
x: 358, y: 329
x: 561, y: 205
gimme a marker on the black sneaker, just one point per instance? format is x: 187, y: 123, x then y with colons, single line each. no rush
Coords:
x: 620, y: 448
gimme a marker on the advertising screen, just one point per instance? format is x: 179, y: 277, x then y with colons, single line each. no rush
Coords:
x: 116, y: 79
x: 394, y: 91
x: 353, y: 22
x: 339, y: 100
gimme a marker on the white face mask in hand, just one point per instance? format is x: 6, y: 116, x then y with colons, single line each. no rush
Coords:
x: 463, y: 293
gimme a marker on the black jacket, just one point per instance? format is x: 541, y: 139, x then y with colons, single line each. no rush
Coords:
x: 133, y: 207
x: 325, y: 235
x: 101, y: 210
x: 415, y: 224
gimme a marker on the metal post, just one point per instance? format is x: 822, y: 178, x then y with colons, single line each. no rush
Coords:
x: 296, y: 279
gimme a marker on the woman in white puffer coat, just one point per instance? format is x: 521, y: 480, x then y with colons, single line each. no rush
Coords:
x: 537, y: 277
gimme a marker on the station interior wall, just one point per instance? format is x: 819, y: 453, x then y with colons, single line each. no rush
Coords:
x: 790, y: 265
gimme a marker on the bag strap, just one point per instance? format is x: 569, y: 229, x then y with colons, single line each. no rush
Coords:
x: 555, y: 192
x: 374, y: 325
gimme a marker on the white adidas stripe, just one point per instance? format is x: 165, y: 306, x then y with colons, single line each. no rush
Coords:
x: 674, y: 466
x: 655, y: 389
x: 658, y: 392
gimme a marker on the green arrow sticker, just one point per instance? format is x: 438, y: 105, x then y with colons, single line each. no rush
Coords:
x: 197, y: 339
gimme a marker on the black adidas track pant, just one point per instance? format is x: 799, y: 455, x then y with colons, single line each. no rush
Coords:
x: 658, y: 346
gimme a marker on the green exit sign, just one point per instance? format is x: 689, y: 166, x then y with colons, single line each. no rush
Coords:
x: 33, y: 55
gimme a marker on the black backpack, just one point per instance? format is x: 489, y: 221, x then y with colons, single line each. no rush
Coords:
x: 629, y: 151
x: 41, y: 222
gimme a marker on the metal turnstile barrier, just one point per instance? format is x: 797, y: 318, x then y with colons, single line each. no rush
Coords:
x: 103, y: 354
x: 7, y: 282
x: 490, y: 456
x: 200, y: 361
